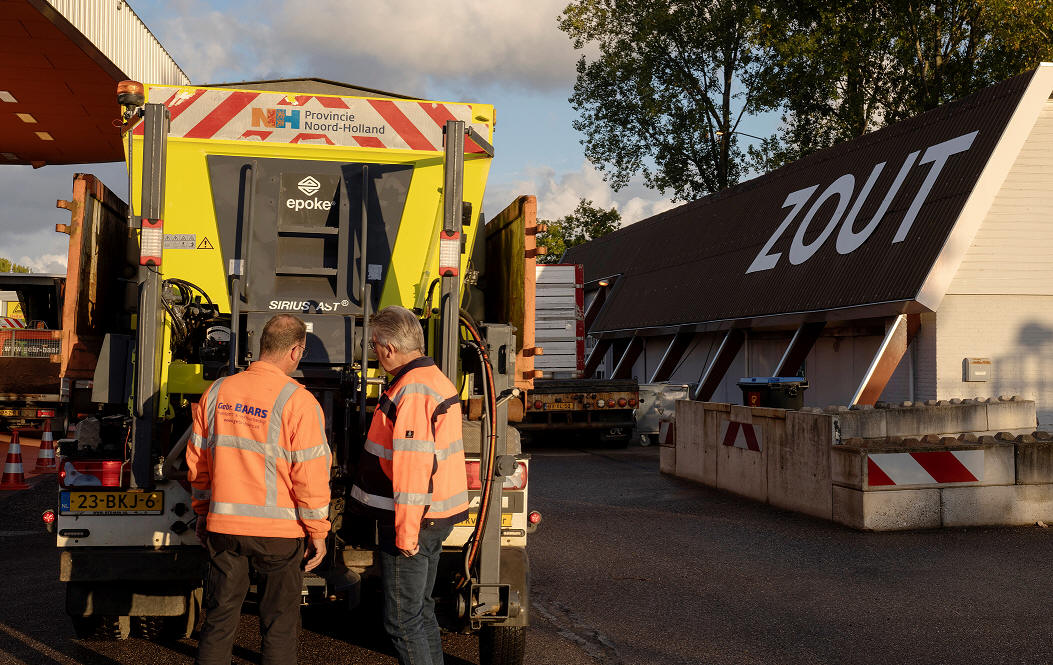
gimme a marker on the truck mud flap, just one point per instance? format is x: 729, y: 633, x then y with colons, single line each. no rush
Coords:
x: 515, y: 572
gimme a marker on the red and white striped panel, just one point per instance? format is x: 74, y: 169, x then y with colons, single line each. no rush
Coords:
x: 741, y: 435
x: 925, y: 468
x: 7, y: 322
x: 271, y: 117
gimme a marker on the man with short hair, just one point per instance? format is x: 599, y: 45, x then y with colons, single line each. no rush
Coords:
x: 259, y: 465
x: 411, y: 477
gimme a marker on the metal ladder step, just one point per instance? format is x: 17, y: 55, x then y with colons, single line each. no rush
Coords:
x: 304, y: 270
x: 308, y: 231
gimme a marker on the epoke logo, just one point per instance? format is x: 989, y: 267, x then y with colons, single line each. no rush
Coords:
x: 309, y: 186
x: 277, y: 118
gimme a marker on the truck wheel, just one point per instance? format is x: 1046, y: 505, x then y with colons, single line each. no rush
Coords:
x: 102, y: 628
x: 160, y: 629
x: 502, y: 645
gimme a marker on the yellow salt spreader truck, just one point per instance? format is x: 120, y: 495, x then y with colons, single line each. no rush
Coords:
x: 246, y: 203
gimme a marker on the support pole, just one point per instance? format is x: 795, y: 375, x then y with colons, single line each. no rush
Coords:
x: 714, y: 374
x: 900, y: 334
x: 673, y: 353
x: 623, y: 369
x: 798, y: 349
x: 452, y: 203
x: 150, y: 316
x: 595, y: 358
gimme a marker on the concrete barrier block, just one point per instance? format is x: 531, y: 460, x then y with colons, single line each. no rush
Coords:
x: 667, y: 460
x: 716, y: 406
x: 999, y: 465
x: 997, y: 505
x: 863, y: 424
x: 766, y: 412
x: 919, y: 421
x: 690, y: 432
x: 740, y: 414
x: 886, y: 511
x: 846, y: 467
x: 1011, y: 415
x: 710, y: 444
x: 1034, y: 463
x: 799, y: 462
x: 741, y: 471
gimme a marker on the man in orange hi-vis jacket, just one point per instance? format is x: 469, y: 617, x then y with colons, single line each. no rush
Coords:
x: 259, y: 466
x: 411, y: 477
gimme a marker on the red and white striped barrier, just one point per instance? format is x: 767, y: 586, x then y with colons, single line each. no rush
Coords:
x: 742, y: 435
x: 667, y: 433
x: 271, y: 117
x: 8, y: 322
x: 925, y: 468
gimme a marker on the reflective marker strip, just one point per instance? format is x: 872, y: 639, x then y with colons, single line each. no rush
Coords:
x: 381, y: 502
x: 454, y: 448
x: 413, y: 446
x: 268, y: 512
x: 412, y: 498
x: 461, y: 498
x: 197, y: 440
x: 274, y: 433
x: 415, y: 389
x: 377, y: 449
x: 210, y: 411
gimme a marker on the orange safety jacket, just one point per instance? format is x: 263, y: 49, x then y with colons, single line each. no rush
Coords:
x: 258, y: 459
x: 412, y: 465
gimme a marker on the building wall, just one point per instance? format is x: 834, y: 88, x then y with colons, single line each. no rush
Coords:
x: 1012, y: 252
x: 1014, y: 331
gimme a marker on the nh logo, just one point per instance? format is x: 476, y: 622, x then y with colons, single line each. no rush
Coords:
x: 277, y: 118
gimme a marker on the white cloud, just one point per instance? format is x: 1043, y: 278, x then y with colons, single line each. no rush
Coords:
x: 406, y: 46
x: 559, y: 194
x: 44, y: 263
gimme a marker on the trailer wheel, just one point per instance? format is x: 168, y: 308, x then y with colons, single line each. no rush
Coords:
x: 502, y: 645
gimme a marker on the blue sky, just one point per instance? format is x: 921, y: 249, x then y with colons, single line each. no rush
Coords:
x: 510, y: 54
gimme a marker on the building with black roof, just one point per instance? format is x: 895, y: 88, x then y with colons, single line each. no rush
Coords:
x: 877, y: 268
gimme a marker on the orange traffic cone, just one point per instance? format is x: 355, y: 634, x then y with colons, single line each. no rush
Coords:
x: 14, y: 478
x: 46, y: 456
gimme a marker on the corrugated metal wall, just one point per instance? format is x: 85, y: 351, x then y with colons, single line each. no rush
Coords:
x: 123, y: 38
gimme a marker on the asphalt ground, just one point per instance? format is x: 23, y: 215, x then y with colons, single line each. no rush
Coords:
x: 634, y: 567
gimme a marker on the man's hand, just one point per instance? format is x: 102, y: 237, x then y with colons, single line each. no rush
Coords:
x: 316, y: 551
x: 409, y: 553
x: 201, y: 529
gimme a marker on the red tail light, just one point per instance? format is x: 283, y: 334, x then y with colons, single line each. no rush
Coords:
x: 632, y: 402
x: 537, y: 404
x: 45, y: 413
x: 622, y: 401
x: 91, y: 473
x: 534, y: 517
x: 516, y: 481
x: 48, y: 516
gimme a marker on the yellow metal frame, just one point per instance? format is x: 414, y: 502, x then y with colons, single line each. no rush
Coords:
x: 189, y: 209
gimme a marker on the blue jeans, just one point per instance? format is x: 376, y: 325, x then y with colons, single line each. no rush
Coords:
x: 409, y: 609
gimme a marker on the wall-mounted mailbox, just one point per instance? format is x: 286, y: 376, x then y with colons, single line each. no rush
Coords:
x: 977, y: 369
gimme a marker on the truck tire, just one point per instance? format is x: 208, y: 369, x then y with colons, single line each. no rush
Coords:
x: 159, y: 629
x: 102, y: 627
x: 502, y: 645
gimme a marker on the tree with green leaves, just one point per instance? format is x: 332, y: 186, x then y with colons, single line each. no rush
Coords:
x: 586, y: 223
x: 661, y: 88
x: 839, y: 71
x: 6, y: 265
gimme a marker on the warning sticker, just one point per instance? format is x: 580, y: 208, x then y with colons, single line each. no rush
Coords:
x: 205, y: 244
x: 180, y: 240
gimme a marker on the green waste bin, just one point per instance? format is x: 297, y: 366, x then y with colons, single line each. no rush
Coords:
x: 778, y: 392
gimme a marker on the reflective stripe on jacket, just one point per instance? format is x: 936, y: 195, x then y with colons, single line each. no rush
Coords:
x: 412, y: 465
x: 258, y: 458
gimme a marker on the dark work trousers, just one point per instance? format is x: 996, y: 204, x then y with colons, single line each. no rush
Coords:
x: 279, y: 583
x: 409, y: 609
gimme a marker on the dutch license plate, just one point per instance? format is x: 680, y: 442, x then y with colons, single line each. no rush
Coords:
x: 111, y: 503
x: 559, y: 406
x: 506, y: 519
x: 8, y: 412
